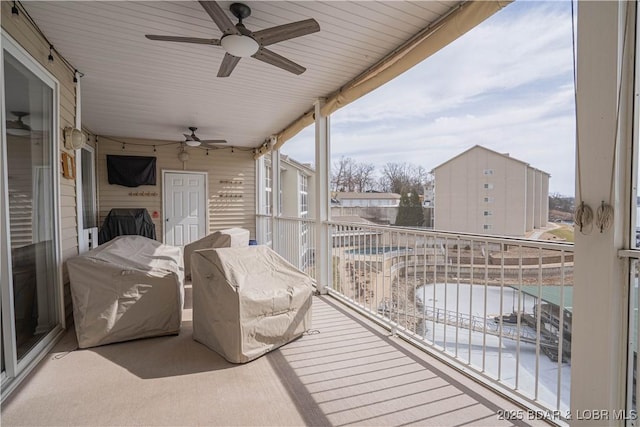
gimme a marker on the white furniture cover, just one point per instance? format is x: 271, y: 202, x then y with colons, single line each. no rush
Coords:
x: 231, y: 237
x: 130, y: 287
x: 248, y: 301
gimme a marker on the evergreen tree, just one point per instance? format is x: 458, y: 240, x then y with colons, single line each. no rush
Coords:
x: 416, y: 212
x: 410, y: 212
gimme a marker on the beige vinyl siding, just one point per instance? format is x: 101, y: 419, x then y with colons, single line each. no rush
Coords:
x: 531, y: 196
x: 231, y: 182
x: 537, y: 206
x: 513, y: 191
x: 22, y: 32
x: 544, y: 199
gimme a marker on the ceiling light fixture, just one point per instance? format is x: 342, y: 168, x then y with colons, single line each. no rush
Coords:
x: 192, y: 143
x: 18, y: 127
x: 240, y: 46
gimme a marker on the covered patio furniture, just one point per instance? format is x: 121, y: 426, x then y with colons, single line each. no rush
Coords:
x: 248, y: 301
x: 231, y: 237
x: 130, y: 287
x: 122, y: 222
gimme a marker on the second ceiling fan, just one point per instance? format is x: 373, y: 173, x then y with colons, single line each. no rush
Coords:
x: 239, y: 42
x: 193, y: 141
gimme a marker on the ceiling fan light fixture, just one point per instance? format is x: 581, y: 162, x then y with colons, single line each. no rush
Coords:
x: 192, y: 143
x: 240, y: 46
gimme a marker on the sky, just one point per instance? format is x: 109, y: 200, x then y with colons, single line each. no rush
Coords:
x: 506, y: 85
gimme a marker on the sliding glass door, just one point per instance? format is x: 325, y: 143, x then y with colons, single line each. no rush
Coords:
x: 30, y: 240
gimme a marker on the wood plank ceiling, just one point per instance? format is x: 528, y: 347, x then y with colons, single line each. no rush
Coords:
x: 138, y: 88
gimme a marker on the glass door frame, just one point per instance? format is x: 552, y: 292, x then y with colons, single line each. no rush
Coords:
x: 16, y: 370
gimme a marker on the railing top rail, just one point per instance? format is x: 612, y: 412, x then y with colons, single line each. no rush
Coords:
x: 452, y: 235
x: 290, y: 218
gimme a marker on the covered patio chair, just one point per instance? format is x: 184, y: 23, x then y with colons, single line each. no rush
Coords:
x: 248, y: 301
x: 231, y: 237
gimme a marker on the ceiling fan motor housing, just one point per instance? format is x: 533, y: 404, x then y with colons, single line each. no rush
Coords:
x: 240, y: 10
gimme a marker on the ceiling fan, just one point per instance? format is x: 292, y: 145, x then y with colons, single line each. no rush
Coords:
x: 18, y: 127
x: 193, y: 141
x: 239, y: 42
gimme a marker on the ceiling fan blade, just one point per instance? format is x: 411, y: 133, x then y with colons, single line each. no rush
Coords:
x: 219, y: 17
x: 287, y: 31
x: 214, y: 42
x: 228, y: 64
x: 187, y: 137
x: 270, y: 57
x: 213, y: 141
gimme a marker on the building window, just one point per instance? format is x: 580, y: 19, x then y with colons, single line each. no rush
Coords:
x: 488, y: 172
x: 487, y: 227
x: 488, y: 199
x: 304, y: 196
x: 268, y: 208
x: 488, y: 186
x: 487, y: 213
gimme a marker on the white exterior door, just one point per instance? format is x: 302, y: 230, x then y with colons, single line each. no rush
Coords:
x: 185, y: 210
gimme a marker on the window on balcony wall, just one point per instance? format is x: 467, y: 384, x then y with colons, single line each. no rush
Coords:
x: 304, y: 195
x: 265, y: 202
x: 298, y: 159
x: 29, y: 213
x: 268, y: 208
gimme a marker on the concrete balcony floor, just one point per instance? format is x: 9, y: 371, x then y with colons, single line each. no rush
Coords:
x: 346, y: 371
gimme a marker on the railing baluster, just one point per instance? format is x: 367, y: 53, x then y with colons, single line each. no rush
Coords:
x: 561, y: 334
x: 519, y: 317
x: 500, y: 312
x: 458, y: 296
x: 471, y: 284
x: 538, y: 324
x: 446, y: 287
x: 484, y: 324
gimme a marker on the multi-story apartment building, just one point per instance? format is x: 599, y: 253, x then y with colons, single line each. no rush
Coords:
x: 483, y: 191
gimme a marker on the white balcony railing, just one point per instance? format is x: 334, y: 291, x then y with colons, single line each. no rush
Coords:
x: 499, y: 308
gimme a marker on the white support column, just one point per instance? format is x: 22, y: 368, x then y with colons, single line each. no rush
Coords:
x: 275, y: 199
x: 600, y: 295
x: 322, y: 198
x: 260, y: 199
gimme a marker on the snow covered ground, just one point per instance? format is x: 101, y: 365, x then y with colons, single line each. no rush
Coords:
x: 515, y: 366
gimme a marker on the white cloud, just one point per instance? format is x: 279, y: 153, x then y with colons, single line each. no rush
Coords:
x: 506, y: 85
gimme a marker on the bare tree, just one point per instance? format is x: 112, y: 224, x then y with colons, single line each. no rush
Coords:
x: 349, y: 175
x: 339, y: 174
x: 364, y: 177
x: 403, y: 177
